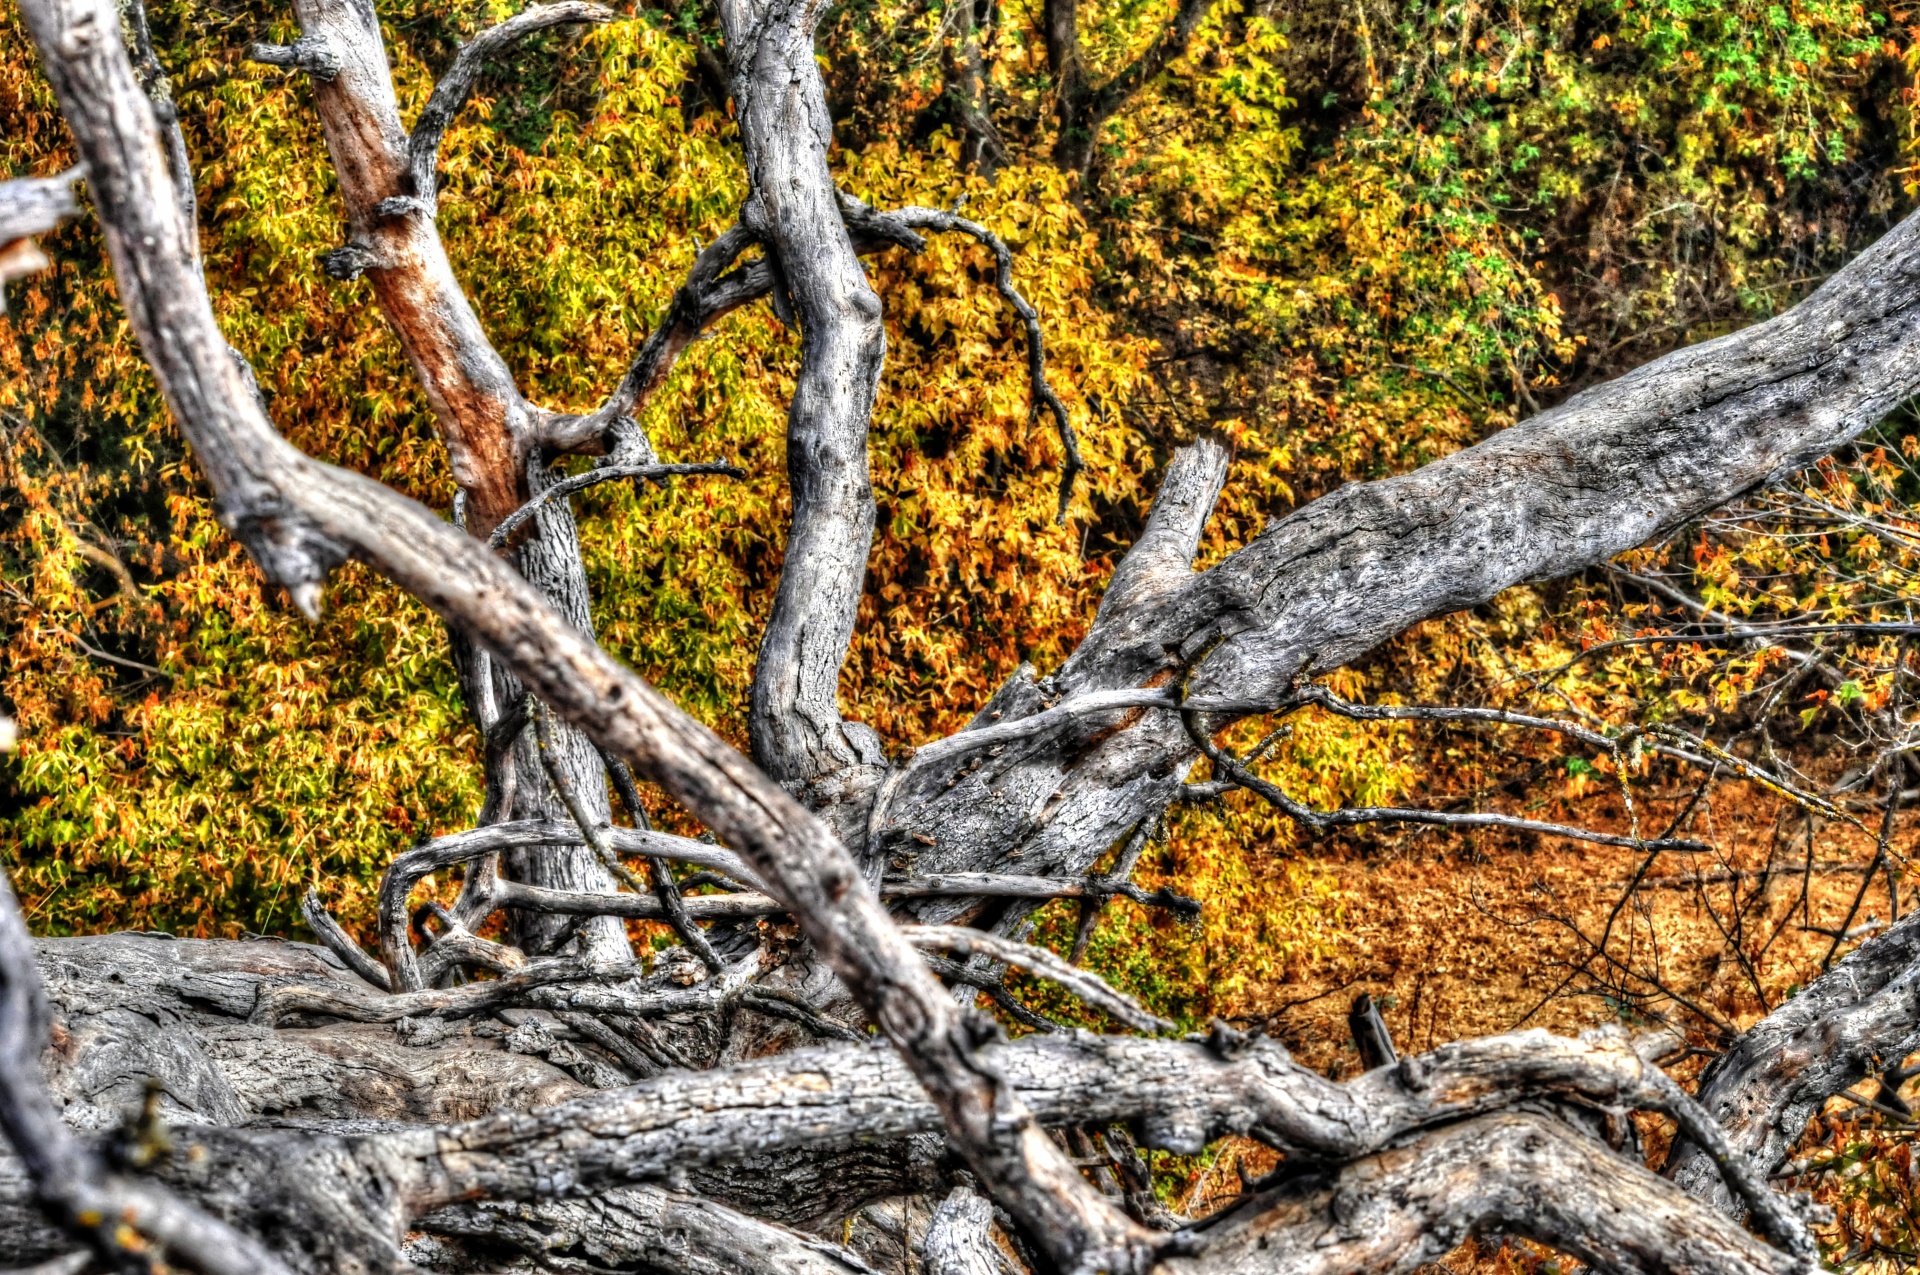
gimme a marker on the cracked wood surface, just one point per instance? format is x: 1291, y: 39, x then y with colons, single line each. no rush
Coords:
x: 832, y: 1119
x: 1857, y: 1019
x: 1612, y: 468
x: 300, y: 518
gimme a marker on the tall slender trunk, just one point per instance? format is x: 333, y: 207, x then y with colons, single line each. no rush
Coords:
x: 488, y: 426
x: 551, y: 561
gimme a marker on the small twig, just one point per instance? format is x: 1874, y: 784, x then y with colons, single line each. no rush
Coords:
x: 450, y: 93
x: 1350, y: 816
x: 603, y: 474
x: 1037, y: 960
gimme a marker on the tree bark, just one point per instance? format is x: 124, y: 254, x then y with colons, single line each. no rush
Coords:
x: 1410, y: 1157
x: 1860, y: 1017
x: 491, y: 431
x: 794, y: 209
x: 1612, y: 468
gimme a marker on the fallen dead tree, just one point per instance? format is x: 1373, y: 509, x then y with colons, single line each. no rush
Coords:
x: 333, y: 1109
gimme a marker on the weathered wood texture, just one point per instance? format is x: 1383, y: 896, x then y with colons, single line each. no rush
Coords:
x: 1610, y: 469
x: 386, y: 182
x: 293, y: 1111
x: 804, y: 1137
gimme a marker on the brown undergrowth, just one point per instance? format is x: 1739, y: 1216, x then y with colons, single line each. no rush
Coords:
x: 1457, y: 937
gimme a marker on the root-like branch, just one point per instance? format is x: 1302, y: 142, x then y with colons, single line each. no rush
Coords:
x: 341, y: 944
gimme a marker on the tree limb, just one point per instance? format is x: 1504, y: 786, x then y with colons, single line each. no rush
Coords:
x: 31, y: 206
x: 1517, y: 1173
x: 451, y: 90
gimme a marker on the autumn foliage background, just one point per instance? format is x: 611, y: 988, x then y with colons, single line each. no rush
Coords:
x: 1352, y: 235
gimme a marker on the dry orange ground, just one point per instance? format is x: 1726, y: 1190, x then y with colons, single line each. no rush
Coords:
x: 1455, y: 939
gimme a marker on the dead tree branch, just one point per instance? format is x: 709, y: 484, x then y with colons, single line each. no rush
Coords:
x: 31, y: 206
x: 1347, y: 817
x: 456, y: 83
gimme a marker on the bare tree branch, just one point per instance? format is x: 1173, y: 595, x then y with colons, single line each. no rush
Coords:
x: 1517, y: 1173
x: 457, y: 81
x: 860, y: 218
x: 1090, y: 988
x: 342, y: 944
x: 1351, y: 816
x: 711, y: 292
x: 31, y: 206
x: 566, y: 487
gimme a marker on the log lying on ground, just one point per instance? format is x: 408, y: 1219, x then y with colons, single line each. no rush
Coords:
x: 828, y: 1114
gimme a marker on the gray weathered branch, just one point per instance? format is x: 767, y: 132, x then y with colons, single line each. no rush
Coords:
x: 1516, y: 1173
x: 1840, y: 1029
x: 451, y: 90
x: 1611, y: 468
x: 127, y: 1223
x: 31, y: 206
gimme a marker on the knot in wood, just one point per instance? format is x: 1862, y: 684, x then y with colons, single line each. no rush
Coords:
x: 349, y: 262
x: 1226, y: 1042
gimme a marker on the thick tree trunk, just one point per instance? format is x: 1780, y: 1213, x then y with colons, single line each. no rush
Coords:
x: 491, y: 431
